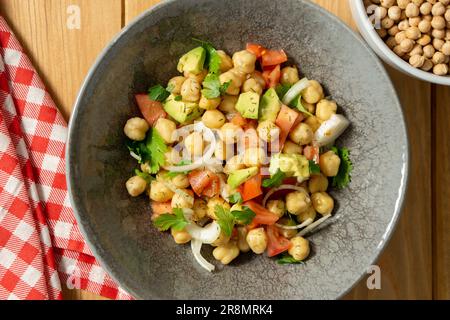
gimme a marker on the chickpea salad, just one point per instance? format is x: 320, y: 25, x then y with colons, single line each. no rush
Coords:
x: 238, y: 152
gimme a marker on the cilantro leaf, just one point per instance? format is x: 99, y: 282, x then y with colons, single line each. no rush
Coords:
x: 227, y: 219
x: 274, y: 181
x: 212, y: 88
x: 286, y: 258
x: 297, y: 103
x: 139, y: 149
x: 235, y: 198
x: 282, y: 89
x: 173, y: 174
x: 158, y: 93
x: 156, y: 148
x: 178, y: 98
x: 148, y: 178
x: 244, y: 216
x: 177, y: 220
x: 343, y: 178
x: 212, y: 57
x: 314, y: 168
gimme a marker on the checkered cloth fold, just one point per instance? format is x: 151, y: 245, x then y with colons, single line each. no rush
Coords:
x: 41, y: 247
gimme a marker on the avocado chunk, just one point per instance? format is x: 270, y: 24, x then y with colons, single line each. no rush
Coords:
x: 270, y: 106
x: 238, y: 177
x: 248, y: 105
x: 293, y: 165
x: 181, y: 111
x: 192, y: 61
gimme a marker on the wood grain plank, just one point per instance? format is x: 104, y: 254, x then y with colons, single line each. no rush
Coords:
x: 62, y: 56
x: 133, y: 8
x: 441, y: 236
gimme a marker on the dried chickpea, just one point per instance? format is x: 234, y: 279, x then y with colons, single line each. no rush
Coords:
x: 395, y: 13
x: 412, y: 10
x: 399, y: 37
x: 403, y: 3
x: 424, y: 40
x: 417, y: 61
x: 438, y: 34
x: 387, y: 3
x: 425, y: 8
x: 438, y: 22
x: 438, y: 9
x: 440, y: 69
x: 403, y: 25
x: 393, y: 31
x: 438, y: 58
x: 447, y: 15
x: 387, y: 23
x: 407, y: 45
x: 382, y: 32
x: 424, y: 26
x: 413, y: 33
x: 414, y: 22
x: 417, y: 50
x: 428, y: 51
x: 427, y: 66
x: 446, y: 48
x: 438, y: 43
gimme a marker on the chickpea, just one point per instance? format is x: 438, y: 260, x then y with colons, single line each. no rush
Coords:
x: 289, y: 75
x: 417, y: 50
x: 313, y: 122
x: 403, y: 25
x: 427, y: 66
x: 287, y: 233
x: 428, y: 51
x: 399, y: 51
x: 407, y: 45
x: 181, y: 201
x: 209, y: 104
x: 438, y: 22
x: 136, y: 129
x: 233, y: 164
x: 222, y: 240
x: 440, y: 69
x: 329, y: 163
x: 399, y: 37
x: 257, y: 75
x: 175, y: 84
x: 309, y: 106
x: 386, y: 23
x: 414, y: 22
x: 180, y: 237
x: 236, y: 81
x: 325, y: 109
x: 268, y: 131
x: 417, y: 61
x: 254, y: 157
x: 136, y: 186
x: 391, y: 43
x: 302, y: 134
x: 412, y: 10
x: 228, y: 104
x: 446, y: 48
x: 438, y: 35
x: 230, y: 132
x: 211, y: 206
x: 387, y: 3
x: 226, y: 253
x: 299, y: 249
x: 381, y: 12
x: 171, y: 156
x: 438, y: 58
x: 181, y: 181
x: 447, y: 15
x: 438, y: 9
x: 297, y: 202
x: 438, y: 43
x: 322, y: 203
x: 276, y: 206
x: 313, y: 93
x: 309, y: 213
x: 242, y: 239
x: 159, y: 192
x: 424, y: 26
x: 223, y: 151
x: 393, y: 31
x: 251, y: 85
x: 292, y: 148
x: 395, y: 13
x: 403, y: 3
x: 194, y: 144
x: 166, y: 128
x: 318, y: 183
x: 382, y: 32
x: 257, y: 240
x: 244, y: 61
x: 225, y: 61
x: 424, y: 40
x: 425, y: 8
x: 413, y: 33
x: 200, y: 210
x: 213, y: 119
x: 197, y: 77
x: 190, y: 90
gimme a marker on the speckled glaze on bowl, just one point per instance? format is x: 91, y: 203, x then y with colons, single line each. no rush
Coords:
x: 149, y: 264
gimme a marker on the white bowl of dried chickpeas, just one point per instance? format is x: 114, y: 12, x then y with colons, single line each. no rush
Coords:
x: 412, y: 36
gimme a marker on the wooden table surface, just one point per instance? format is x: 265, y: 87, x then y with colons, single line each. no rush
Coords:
x: 416, y: 262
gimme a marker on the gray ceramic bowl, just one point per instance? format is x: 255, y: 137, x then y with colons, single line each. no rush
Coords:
x: 149, y: 264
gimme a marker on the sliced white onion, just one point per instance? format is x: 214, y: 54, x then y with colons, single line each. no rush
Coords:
x: 314, y: 225
x: 282, y: 187
x: 135, y: 156
x: 331, y: 129
x: 207, y: 234
x: 196, y: 247
x: 189, y: 199
x: 207, y: 136
x: 306, y: 223
x: 295, y: 90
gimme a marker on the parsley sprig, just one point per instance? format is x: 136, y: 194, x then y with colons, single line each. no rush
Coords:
x: 144, y: 175
x: 286, y: 258
x: 227, y: 219
x: 343, y: 178
x: 314, y: 168
x: 158, y: 93
x: 173, y: 174
x: 274, y: 181
x: 177, y: 220
x: 235, y: 198
x: 212, y: 88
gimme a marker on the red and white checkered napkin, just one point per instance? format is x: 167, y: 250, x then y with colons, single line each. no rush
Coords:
x: 40, y: 244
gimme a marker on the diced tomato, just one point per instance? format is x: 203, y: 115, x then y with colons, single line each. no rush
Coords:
x: 312, y: 153
x: 273, y: 58
x: 159, y: 208
x: 251, y: 124
x: 300, y: 118
x: 150, y: 109
x: 256, y: 49
x: 285, y: 121
x: 277, y: 244
x: 239, y: 120
x: 252, y: 225
x: 272, y: 76
x: 252, y: 188
x: 263, y: 216
x: 213, y: 188
x: 200, y: 179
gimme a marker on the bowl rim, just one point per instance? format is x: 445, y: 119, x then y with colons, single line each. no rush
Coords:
x: 86, y: 229
x: 380, y: 47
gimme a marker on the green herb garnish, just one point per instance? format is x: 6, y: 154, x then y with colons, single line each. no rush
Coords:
x: 282, y: 89
x: 173, y: 174
x: 286, y: 258
x: 148, y: 178
x: 235, y: 198
x: 227, y: 219
x: 158, y: 93
x: 150, y: 150
x: 343, y: 178
x: 314, y: 168
x: 177, y: 220
x: 212, y: 88
x: 274, y: 181
x: 297, y: 103
x: 178, y: 98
